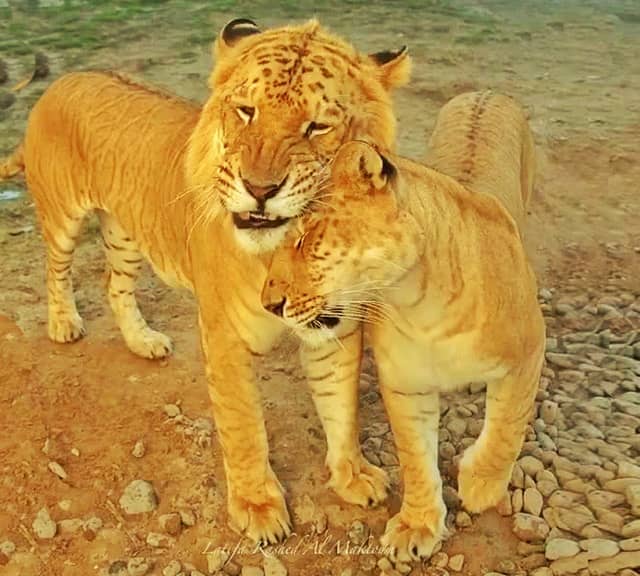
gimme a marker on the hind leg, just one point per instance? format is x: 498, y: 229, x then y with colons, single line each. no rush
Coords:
x: 65, y: 324
x: 125, y: 262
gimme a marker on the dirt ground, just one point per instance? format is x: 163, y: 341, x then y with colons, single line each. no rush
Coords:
x: 576, y: 68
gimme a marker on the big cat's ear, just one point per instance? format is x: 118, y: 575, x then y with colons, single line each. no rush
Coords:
x: 360, y: 163
x: 394, y: 68
x: 234, y: 32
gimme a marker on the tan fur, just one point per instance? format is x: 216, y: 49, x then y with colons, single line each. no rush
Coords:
x: 440, y: 273
x: 167, y: 177
x: 478, y: 131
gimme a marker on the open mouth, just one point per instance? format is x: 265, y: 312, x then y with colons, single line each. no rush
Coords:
x: 245, y: 220
x: 324, y: 321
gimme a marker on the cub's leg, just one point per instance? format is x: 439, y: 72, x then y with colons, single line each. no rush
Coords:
x: 125, y: 262
x: 486, y: 466
x: 232, y: 335
x: 414, y: 531
x: 333, y: 371
x: 60, y: 232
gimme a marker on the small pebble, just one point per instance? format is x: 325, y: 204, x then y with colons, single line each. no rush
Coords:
x: 57, y: 469
x: 172, y: 410
x: 456, y: 562
x: 463, y: 520
x: 172, y: 569
x: 43, y: 526
x: 171, y: 523
x: 273, y: 567
x: 561, y: 548
x: 251, y: 571
x: 139, y: 497
x: 533, y: 501
x: 139, y: 449
x: 139, y: 566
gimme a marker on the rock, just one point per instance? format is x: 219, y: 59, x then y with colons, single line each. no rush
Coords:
x: 7, y: 549
x: 543, y: 571
x: 560, y: 548
x: 570, y: 565
x: 70, y: 526
x: 517, y: 501
x: 507, y: 567
x: 358, y: 533
x: 171, y: 523
x: 517, y: 476
x: 548, y: 411
x: 91, y: 526
x: 529, y: 528
x: 604, y: 499
x: 118, y: 568
x: 546, y: 487
x: 232, y: 569
x: 273, y: 567
x: 139, y: 449
x: 573, y: 520
x: 139, y: 497
x: 157, y: 540
x: 172, y: 569
x: 631, y: 530
x: 524, y: 548
x: 457, y: 427
x: 439, y: 560
x: 7, y: 99
x: 530, y: 465
x: 456, y: 562
x: 43, y: 526
x: 187, y: 517
x: 632, y: 493
x: 216, y: 560
x: 608, y: 566
x: 534, y: 561
x: 58, y: 470
x: 565, y: 499
x: 139, y: 566
x: 532, y: 501
x: 599, y: 548
x: 172, y: 410
x: 463, y: 520
x: 628, y: 545
x: 251, y: 571
x: 620, y: 484
x: 628, y: 470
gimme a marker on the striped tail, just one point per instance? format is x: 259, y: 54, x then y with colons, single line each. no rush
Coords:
x: 13, y: 165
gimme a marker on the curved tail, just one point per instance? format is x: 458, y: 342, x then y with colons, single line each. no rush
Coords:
x: 13, y: 165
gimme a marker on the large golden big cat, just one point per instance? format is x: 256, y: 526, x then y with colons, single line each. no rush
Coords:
x: 205, y: 194
x: 439, y: 270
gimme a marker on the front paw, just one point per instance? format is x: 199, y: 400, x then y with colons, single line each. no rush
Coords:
x: 362, y: 483
x: 480, y: 487
x: 410, y: 537
x: 265, y: 520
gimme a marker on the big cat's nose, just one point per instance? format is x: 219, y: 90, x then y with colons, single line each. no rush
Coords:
x: 276, y: 308
x: 262, y: 191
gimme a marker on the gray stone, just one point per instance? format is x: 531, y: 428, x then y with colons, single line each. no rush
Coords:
x: 530, y: 465
x: 463, y: 520
x: 529, y: 528
x: 43, y: 526
x: 560, y: 548
x: 533, y: 501
x: 456, y: 562
x: 172, y: 569
x: 632, y: 493
x: 139, y: 566
x: 139, y: 449
x: 251, y: 571
x: 171, y: 410
x: 628, y: 545
x: 599, y: 548
x: 157, y: 540
x: 631, y: 529
x: 139, y: 497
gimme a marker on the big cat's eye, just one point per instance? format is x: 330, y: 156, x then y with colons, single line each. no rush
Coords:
x: 316, y: 129
x: 246, y: 113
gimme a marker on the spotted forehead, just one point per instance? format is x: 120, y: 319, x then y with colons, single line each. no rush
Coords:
x: 302, y: 69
